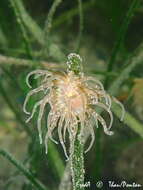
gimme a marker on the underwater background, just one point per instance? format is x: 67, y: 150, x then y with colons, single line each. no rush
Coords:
x: 108, y: 35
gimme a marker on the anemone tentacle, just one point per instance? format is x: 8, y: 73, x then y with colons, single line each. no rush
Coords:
x: 110, y: 113
x: 96, y: 82
x: 103, y: 123
x: 34, y: 91
x: 65, y: 129
x: 34, y: 110
x: 38, y: 73
x: 60, y: 126
x: 122, y: 107
x: 41, y: 112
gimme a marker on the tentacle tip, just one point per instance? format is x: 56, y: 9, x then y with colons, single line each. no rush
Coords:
x: 86, y: 151
x: 67, y: 159
x: 27, y: 121
x: 110, y: 133
x: 55, y: 142
x: 28, y: 113
x: 28, y: 85
x: 41, y: 140
x: 122, y: 119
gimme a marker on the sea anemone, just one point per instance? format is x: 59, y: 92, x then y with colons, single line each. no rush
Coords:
x: 74, y: 99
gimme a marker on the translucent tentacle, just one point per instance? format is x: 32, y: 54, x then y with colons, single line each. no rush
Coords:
x: 96, y: 123
x: 60, y: 125
x: 46, y: 139
x: 92, y: 137
x: 34, y: 110
x: 110, y: 113
x: 89, y: 113
x: 94, y: 99
x: 46, y: 142
x: 48, y: 135
x: 108, y: 100
x: 52, y: 123
x: 73, y: 125
x: 52, y: 77
x: 38, y: 73
x: 96, y: 81
x: 102, y: 121
x: 122, y: 107
x: 42, y: 107
x: 65, y: 128
x: 34, y: 91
